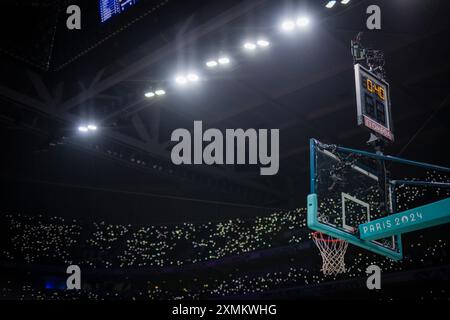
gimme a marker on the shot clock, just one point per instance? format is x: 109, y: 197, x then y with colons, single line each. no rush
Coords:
x: 373, y: 103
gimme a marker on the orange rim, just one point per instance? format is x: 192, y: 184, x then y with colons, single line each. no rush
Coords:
x: 320, y: 236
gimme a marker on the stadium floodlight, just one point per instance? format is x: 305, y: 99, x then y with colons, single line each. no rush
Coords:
x: 181, y: 80
x: 160, y: 92
x: 192, y: 77
x: 288, y: 25
x: 211, y: 64
x: 224, y: 60
x: 92, y: 127
x: 345, y: 1
x: 83, y: 129
x: 149, y: 94
x: 250, y: 46
x: 302, y: 22
x: 330, y: 4
x: 263, y: 43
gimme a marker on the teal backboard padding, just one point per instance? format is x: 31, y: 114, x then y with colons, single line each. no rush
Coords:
x: 314, y: 224
x: 426, y: 216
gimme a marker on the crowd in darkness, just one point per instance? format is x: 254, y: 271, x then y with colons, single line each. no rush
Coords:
x: 35, y: 239
x: 55, y: 241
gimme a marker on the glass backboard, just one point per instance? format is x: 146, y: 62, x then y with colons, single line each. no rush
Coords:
x: 347, y: 190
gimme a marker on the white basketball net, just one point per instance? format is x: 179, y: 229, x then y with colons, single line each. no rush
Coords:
x: 332, y: 251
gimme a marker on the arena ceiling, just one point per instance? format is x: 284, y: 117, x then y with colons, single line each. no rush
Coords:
x: 52, y: 79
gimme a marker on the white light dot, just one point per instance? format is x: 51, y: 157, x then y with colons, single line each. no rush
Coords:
x: 249, y: 46
x: 288, y: 25
x: 193, y: 77
x: 211, y: 64
x: 149, y: 94
x: 330, y: 4
x: 160, y: 92
x: 224, y: 60
x: 83, y: 129
x: 263, y: 43
x: 303, y: 21
x: 180, y: 80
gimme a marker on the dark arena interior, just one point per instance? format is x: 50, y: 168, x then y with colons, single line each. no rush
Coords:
x: 90, y: 101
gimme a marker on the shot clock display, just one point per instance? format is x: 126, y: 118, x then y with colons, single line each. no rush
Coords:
x: 373, y: 102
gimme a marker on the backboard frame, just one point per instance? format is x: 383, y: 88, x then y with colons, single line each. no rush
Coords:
x: 313, y: 222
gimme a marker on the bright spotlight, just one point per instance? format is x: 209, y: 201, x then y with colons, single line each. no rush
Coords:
x: 83, y: 129
x: 211, y: 64
x: 224, y: 60
x: 302, y: 21
x: 160, y: 92
x: 193, y: 77
x: 249, y: 46
x: 149, y: 94
x: 92, y: 127
x: 345, y: 1
x: 180, y: 80
x: 263, y: 43
x: 288, y: 25
x: 330, y: 4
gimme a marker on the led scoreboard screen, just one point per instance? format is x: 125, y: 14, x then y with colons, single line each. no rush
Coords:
x: 373, y: 103
x: 111, y: 8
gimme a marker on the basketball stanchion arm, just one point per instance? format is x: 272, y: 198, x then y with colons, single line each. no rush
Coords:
x: 426, y: 216
x: 395, y: 159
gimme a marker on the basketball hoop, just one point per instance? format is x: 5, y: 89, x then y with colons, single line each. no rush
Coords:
x: 332, y: 251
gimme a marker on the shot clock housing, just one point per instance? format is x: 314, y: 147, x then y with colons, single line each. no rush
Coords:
x: 373, y: 103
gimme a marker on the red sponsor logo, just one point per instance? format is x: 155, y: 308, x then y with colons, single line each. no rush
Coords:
x: 378, y: 128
